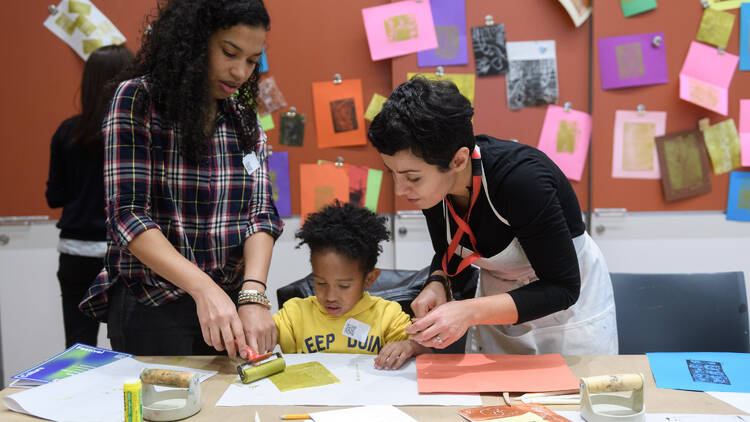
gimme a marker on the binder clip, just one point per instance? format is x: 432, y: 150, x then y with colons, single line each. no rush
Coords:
x: 339, y: 162
x: 598, y: 404
x: 641, y: 110
x: 656, y: 41
x: 52, y: 9
x: 439, y: 72
x: 705, y: 4
x: 489, y: 20
x: 337, y: 79
x: 292, y: 112
x: 269, y: 150
x: 567, y: 106
x: 174, y: 404
x: 721, y: 49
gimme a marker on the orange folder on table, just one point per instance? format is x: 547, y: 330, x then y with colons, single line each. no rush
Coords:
x: 483, y: 373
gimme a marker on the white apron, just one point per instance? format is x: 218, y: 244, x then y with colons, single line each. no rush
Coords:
x: 587, y: 327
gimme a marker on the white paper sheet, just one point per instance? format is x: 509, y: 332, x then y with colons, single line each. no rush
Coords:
x: 738, y: 400
x: 83, y: 27
x: 670, y: 417
x: 94, y: 395
x: 361, y: 384
x: 363, y: 414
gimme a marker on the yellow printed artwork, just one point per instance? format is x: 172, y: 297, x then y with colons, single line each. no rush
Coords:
x: 683, y: 163
x: 723, y: 145
x: 638, y: 146
x: 68, y: 25
x: 567, y: 132
x: 629, y: 60
x: 716, y: 27
x: 703, y: 94
x: 304, y: 375
x: 79, y: 7
x: 85, y: 25
x: 401, y: 28
x: 91, y: 45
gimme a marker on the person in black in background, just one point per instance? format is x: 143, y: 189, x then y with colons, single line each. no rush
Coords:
x: 76, y: 183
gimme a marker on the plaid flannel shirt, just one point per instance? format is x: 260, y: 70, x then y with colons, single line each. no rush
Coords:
x: 206, y: 210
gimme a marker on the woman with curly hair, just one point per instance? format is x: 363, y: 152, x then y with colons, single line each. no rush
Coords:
x: 191, y: 222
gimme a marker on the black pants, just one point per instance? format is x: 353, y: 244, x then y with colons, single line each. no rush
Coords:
x: 75, y: 274
x: 171, y: 329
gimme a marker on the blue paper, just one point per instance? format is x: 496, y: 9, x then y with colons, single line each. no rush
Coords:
x: 701, y: 371
x: 449, y: 17
x: 738, y: 200
x: 745, y: 36
x: 278, y: 169
x: 263, y: 62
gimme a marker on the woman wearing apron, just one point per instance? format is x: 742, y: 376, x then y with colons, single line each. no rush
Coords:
x: 505, y: 208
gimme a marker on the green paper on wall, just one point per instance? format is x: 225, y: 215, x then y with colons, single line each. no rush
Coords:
x: 374, y: 181
x: 266, y: 122
x: 304, y: 375
x: 634, y: 7
x: 723, y: 144
x: 716, y: 27
x: 376, y: 104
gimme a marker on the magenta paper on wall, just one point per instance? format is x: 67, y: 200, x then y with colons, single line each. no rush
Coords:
x: 633, y: 60
x: 634, y: 153
x: 449, y: 17
x: 705, y: 77
x: 745, y: 132
x: 278, y: 168
x: 399, y: 28
x: 565, y: 139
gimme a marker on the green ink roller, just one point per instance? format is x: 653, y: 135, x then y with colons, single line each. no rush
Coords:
x: 259, y: 366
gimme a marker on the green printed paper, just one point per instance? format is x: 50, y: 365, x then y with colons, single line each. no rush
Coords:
x: 723, y: 144
x: 266, y: 122
x: 683, y: 163
x: 401, y: 28
x: 374, y: 181
x: 79, y: 7
x: 566, y: 136
x: 85, y: 25
x: 716, y: 27
x: 68, y: 25
x: 91, y: 45
x: 304, y: 375
x: 634, y: 7
x: 376, y: 104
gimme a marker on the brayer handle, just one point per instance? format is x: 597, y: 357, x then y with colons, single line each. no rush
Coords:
x: 612, y: 383
x: 166, y: 377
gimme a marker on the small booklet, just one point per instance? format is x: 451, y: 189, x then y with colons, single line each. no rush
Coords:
x: 76, y: 359
x: 516, y: 413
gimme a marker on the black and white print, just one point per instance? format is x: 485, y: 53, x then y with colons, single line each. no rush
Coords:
x: 707, y: 371
x: 490, y: 53
x: 532, y: 74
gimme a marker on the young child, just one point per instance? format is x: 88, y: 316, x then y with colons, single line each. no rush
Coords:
x: 344, y: 247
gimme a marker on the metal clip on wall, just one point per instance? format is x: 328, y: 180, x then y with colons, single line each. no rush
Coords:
x: 337, y: 79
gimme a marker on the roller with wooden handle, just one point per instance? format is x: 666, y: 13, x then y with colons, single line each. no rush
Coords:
x: 612, y: 383
x: 603, y: 398
x: 179, y: 402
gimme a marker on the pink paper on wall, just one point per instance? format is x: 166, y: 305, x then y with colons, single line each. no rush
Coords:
x: 399, y: 28
x: 565, y: 139
x: 745, y: 132
x: 634, y: 153
x: 705, y: 77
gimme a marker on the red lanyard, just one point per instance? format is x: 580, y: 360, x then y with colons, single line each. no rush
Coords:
x: 463, y: 225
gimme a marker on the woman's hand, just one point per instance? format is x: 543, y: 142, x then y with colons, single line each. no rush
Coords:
x: 394, y: 355
x: 217, y: 314
x: 432, y: 296
x: 443, y: 325
x: 260, y: 328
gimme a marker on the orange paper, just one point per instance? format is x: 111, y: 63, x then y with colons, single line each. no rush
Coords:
x: 498, y: 413
x: 482, y: 373
x: 339, y: 116
x: 320, y: 185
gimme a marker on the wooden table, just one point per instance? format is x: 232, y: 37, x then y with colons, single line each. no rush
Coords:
x: 657, y: 400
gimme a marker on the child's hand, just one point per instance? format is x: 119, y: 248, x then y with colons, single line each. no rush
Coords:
x: 393, y: 355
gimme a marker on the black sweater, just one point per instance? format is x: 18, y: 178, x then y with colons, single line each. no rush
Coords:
x: 536, y: 198
x: 76, y: 183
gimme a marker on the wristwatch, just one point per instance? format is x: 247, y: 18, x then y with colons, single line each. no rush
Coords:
x: 246, y: 297
x: 445, y: 281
